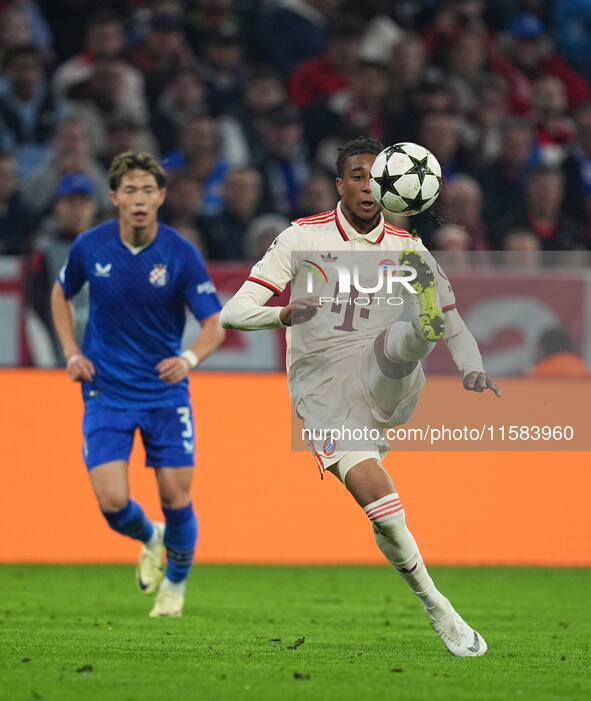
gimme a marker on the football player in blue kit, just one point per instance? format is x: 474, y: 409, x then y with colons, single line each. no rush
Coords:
x: 142, y: 274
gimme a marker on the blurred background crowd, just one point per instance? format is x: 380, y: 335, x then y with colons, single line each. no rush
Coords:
x: 247, y: 101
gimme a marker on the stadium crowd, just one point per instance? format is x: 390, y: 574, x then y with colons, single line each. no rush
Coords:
x: 246, y: 101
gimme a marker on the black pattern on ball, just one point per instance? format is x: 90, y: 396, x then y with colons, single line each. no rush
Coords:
x: 386, y: 181
x: 401, y: 194
x: 419, y: 168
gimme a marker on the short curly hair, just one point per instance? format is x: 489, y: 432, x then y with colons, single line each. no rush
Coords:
x: 362, y: 144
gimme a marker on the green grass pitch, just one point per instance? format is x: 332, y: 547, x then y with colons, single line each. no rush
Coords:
x: 82, y: 632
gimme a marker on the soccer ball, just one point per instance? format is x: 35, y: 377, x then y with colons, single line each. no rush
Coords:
x: 405, y: 178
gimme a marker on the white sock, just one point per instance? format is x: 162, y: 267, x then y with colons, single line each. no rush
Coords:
x: 178, y: 587
x: 404, y: 344
x: 400, y: 548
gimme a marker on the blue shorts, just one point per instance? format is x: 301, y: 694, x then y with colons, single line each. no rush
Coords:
x: 167, y: 435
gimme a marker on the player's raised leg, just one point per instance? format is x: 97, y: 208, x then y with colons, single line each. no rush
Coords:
x: 180, y: 536
x: 410, y: 341
x: 124, y: 515
x: 427, y: 315
x: 374, y: 491
x: 390, y: 370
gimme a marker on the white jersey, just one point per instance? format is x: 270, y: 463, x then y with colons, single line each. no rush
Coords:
x: 326, y: 353
x: 317, y: 247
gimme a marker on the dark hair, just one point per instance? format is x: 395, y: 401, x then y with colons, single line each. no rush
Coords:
x: 263, y: 72
x: 124, y: 163
x: 100, y: 19
x: 16, y: 52
x: 183, y: 176
x: 362, y: 144
x: 186, y: 69
x: 555, y: 340
x: 347, y: 27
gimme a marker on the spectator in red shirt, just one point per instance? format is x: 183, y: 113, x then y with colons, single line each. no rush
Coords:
x: 105, y: 39
x: 530, y: 51
x: 555, y: 130
x: 321, y: 76
x: 359, y: 109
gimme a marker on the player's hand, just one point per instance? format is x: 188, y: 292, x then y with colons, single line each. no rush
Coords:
x: 299, y: 311
x: 479, y: 381
x: 173, y: 369
x: 80, y: 368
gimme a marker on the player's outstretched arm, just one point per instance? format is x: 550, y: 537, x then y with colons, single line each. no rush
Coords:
x: 176, y: 368
x: 464, y: 351
x: 246, y: 310
x: 79, y: 367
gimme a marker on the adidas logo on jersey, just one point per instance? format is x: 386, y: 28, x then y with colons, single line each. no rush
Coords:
x: 103, y: 270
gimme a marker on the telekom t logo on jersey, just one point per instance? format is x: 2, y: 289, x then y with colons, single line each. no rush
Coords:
x: 387, y: 275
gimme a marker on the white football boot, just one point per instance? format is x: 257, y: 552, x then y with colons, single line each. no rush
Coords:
x: 455, y: 633
x: 150, y: 568
x: 168, y: 603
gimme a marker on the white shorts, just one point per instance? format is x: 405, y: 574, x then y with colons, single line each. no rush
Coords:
x: 342, y: 416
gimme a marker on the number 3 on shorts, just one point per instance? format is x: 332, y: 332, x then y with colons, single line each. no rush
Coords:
x: 185, y: 418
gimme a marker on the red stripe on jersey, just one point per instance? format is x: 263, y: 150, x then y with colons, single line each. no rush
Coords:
x: 394, y: 231
x: 316, y: 218
x: 268, y: 285
x: 318, y: 221
x: 381, y: 236
x: 388, y: 512
x: 449, y: 306
x: 341, y: 230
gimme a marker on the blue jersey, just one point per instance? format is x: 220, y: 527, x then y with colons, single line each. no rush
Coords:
x: 137, y: 311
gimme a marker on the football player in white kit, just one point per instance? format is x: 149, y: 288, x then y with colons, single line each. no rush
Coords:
x: 354, y: 365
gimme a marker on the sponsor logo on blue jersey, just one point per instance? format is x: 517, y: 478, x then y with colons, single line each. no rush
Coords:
x: 206, y: 287
x: 159, y: 275
x: 103, y: 270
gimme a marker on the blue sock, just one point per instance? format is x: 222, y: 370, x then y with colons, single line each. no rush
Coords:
x: 180, y: 536
x: 130, y: 521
